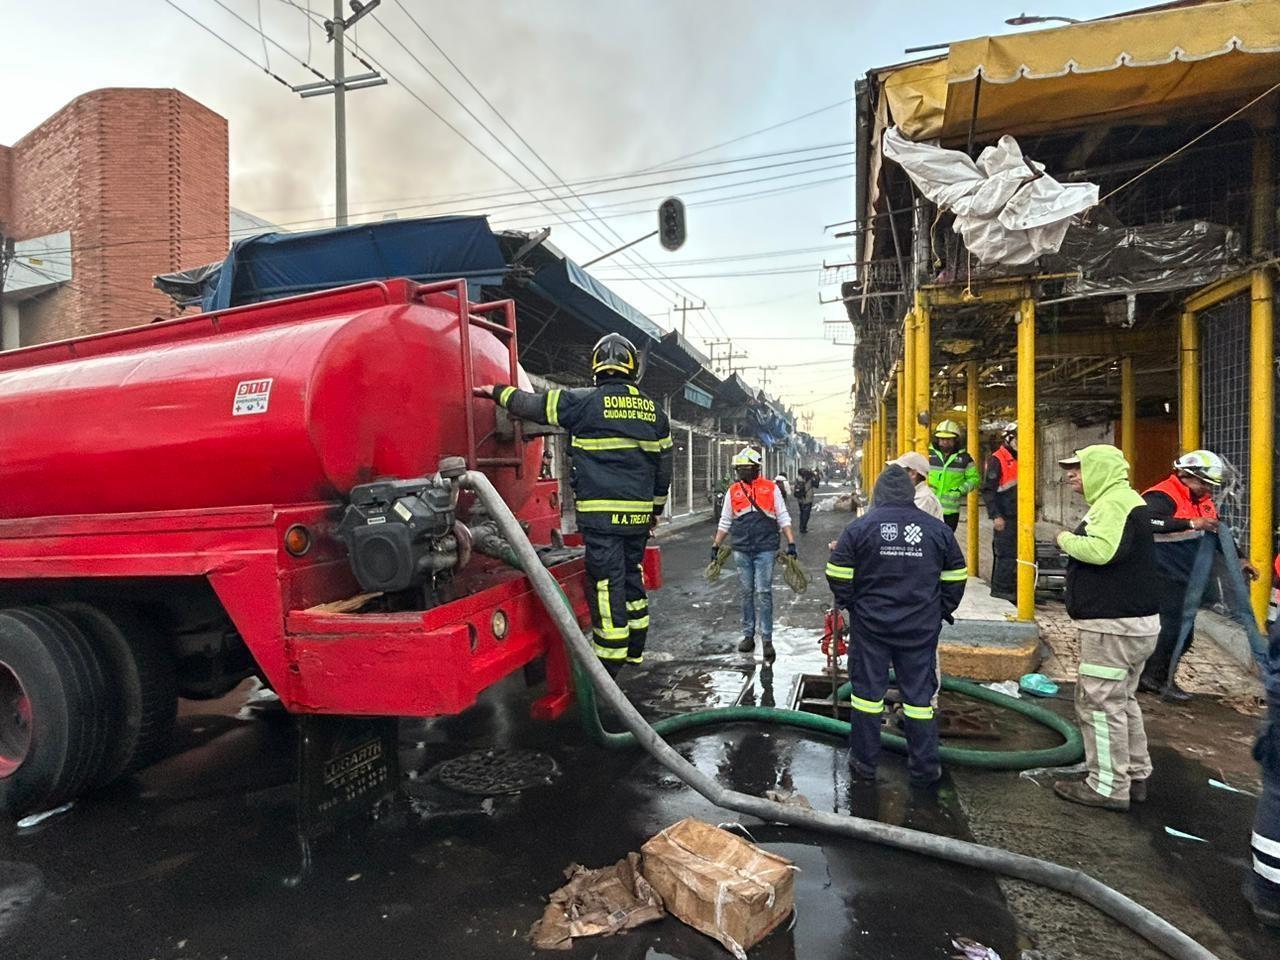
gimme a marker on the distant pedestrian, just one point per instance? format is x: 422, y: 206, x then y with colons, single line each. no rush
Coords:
x: 754, y: 519
x: 783, y: 485
x: 899, y: 572
x: 805, y: 489
x: 1112, y: 597
x: 917, y: 467
x: 1000, y: 493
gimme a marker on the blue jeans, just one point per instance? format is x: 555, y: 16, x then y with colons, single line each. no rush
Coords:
x: 755, y: 577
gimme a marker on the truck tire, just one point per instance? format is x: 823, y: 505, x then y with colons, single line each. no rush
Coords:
x: 55, y: 716
x: 142, y: 686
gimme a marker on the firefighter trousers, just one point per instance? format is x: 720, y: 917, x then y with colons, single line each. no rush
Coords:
x: 615, y: 593
x: 916, y: 669
x: 1265, y: 842
x: 1115, y: 740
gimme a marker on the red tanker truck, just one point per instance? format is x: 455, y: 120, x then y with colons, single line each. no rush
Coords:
x: 256, y: 491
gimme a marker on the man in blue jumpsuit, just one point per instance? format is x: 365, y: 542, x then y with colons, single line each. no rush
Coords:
x: 900, y: 573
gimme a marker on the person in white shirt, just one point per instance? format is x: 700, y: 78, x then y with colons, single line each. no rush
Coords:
x: 917, y: 467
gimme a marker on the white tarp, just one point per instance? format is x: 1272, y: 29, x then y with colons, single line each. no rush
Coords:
x: 1003, y: 214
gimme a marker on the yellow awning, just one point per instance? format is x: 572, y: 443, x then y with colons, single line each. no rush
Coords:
x: 1141, y: 65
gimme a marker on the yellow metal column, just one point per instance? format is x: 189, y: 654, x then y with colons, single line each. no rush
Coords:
x: 907, y: 425
x: 896, y: 446
x: 1261, y: 435
x: 1128, y: 411
x: 1026, y: 459
x: 1188, y: 383
x: 881, y: 456
x: 972, y: 430
x: 923, y: 383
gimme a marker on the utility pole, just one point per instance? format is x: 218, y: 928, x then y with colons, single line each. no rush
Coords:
x: 684, y: 309
x: 338, y: 86
x: 722, y: 362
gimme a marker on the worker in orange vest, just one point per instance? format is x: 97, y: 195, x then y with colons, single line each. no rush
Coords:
x: 754, y: 518
x: 1182, y: 512
x: 1000, y: 493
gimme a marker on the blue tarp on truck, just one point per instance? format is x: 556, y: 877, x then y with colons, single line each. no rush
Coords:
x: 274, y: 265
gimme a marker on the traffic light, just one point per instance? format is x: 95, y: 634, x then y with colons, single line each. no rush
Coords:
x: 671, y: 232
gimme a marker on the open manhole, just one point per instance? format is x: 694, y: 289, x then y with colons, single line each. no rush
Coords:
x: 491, y: 773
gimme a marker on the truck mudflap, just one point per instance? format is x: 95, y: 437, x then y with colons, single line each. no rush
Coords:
x: 346, y: 767
x: 429, y: 663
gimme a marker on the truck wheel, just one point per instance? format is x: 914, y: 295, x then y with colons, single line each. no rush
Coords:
x: 142, y: 686
x: 54, y: 715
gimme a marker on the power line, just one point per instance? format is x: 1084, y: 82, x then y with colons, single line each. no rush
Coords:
x: 470, y: 113
x: 221, y: 39
x: 468, y: 196
x: 753, y: 133
x: 266, y: 39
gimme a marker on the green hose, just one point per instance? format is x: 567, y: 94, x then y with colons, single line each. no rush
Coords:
x: 1070, y: 751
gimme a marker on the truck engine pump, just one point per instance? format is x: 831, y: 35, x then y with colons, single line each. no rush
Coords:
x: 401, y: 534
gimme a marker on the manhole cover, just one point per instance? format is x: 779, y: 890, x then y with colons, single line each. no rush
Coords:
x: 488, y: 773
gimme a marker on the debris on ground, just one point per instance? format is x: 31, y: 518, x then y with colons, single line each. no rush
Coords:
x: 1045, y: 776
x: 1220, y: 785
x: 1184, y: 836
x: 789, y: 798
x: 597, y: 903
x: 719, y: 884
x: 1038, y: 685
x: 1008, y: 687
x: 972, y: 950
x: 38, y: 818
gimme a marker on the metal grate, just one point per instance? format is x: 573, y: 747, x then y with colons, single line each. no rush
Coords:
x: 679, y: 501
x: 1224, y: 403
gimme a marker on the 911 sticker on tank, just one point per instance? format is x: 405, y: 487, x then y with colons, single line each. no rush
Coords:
x: 252, y: 396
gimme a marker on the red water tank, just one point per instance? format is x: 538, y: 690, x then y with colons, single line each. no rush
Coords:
x: 292, y: 401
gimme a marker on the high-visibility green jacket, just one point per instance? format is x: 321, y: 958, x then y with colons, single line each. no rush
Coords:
x: 952, y: 478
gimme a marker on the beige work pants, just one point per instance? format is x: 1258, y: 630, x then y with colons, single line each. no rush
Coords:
x: 1115, y: 742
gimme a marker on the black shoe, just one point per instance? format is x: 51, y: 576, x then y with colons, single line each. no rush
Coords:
x: 747, y: 645
x: 1138, y: 791
x: 1149, y: 684
x: 1174, y: 693
x: 769, y: 653
x: 858, y: 772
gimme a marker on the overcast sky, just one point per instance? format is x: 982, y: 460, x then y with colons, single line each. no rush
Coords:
x: 595, y: 88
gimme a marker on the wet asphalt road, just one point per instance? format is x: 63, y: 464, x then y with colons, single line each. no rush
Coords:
x: 195, y: 858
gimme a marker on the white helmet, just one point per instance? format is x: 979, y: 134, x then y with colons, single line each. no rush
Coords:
x: 747, y: 457
x: 1204, y: 464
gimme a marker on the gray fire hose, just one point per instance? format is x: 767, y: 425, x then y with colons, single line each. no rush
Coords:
x: 1137, y: 918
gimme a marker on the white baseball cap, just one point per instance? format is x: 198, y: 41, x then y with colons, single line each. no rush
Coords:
x: 913, y: 461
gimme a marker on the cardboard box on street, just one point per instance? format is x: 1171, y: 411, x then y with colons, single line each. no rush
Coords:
x: 719, y: 883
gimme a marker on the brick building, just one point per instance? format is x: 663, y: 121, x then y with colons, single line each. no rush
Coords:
x: 117, y: 186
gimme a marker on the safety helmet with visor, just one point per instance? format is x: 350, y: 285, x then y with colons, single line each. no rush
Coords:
x: 1203, y: 465
x: 947, y: 430
x: 614, y: 356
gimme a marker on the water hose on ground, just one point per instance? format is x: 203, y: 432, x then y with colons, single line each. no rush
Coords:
x: 1137, y: 918
x: 1068, y: 752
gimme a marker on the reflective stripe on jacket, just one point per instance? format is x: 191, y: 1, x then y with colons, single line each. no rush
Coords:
x: 1008, y: 468
x: 952, y: 477
x: 621, y: 447
x: 1185, y: 509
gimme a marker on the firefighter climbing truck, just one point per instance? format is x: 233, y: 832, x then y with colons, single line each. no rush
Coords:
x: 258, y: 492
